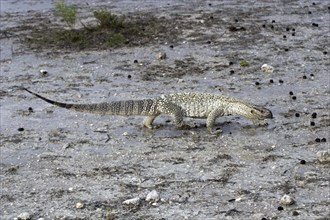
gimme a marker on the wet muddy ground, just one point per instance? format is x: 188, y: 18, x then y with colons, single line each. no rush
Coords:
x: 57, y: 164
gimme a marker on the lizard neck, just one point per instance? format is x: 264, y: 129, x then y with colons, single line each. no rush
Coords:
x: 241, y: 109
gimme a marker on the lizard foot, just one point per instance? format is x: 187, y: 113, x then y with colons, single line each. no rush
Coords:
x: 216, y: 131
x: 185, y: 127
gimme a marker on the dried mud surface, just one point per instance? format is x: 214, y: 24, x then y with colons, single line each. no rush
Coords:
x: 57, y: 164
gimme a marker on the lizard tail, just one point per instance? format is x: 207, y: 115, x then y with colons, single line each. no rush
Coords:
x: 128, y: 107
x: 60, y: 104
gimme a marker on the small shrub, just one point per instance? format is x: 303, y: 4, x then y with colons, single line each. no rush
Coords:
x: 106, y: 19
x: 115, y: 40
x: 68, y: 13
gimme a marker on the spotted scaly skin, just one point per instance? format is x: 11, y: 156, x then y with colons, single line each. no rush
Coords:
x: 179, y: 106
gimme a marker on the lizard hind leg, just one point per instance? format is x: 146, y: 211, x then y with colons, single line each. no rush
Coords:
x: 176, y: 112
x: 147, y: 122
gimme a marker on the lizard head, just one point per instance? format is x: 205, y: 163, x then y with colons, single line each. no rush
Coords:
x: 258, y: 113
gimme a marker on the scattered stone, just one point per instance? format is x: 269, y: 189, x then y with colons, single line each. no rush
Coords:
x: 66, y: 146
x: 20, y: 129
x: 80, y: 205
x: 134, y: 201
x: 153, y: 196
x: 295, y: 213
x: 161, y: 56
x: 43, y: 72
x: 24, y: 216
x: 287, y: 200
x: 323, y: 156
x: 267, y: 68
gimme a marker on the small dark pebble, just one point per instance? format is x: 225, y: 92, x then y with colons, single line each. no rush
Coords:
x: 264, y: 219
x: 210, y: 4
x: 314, y: 3
x: 208, y: 42
x: 325, y: 52
x: 30, y: 109
x: 317, y: 140
x: 136, y: 61
x: 315, y: 24
x: 257, y: 83
x: 280, y: 208
x: 293, y: 29
x: 272, y: 26
x: 312, y: 75
x: 231, y: 63
x: 168, y: 121
x: 286, y: 49
x: 231, y: 200
x: 171, y: 46
x: 281, y: 81
x: 271, y: 81
x: 312, y: 123
x: 291, y: 93
x: 273, y: 21
x: 297, y: 115
x: 287, y: 29
x: 236, y: 20
x: 20, y: 129
x: 232, y: 72
x: 263, y: 25
x: 294, y: 97
x: 293, y: 34
x: 304, y: 77
x: 211, y: 17
x: 303, y: 162
x: 309, y: 12
x: 295, y: 213
x: 314, y: 115
x: 129, y: 76
x: 323, y: 140
x: 284, y: 36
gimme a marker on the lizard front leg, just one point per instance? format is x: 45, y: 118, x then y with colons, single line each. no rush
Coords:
x: 213, y: 115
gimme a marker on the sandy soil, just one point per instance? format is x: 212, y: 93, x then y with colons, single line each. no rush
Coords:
x: 57, y: 164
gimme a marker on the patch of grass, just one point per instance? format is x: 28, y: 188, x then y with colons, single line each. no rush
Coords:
x: 68, y: 13
x: 108, y: 20
x: 115, y: 39
x: 111, y: 31
x: 244, y: 63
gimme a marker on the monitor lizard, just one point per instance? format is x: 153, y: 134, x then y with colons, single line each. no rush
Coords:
x: 179, y: 105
